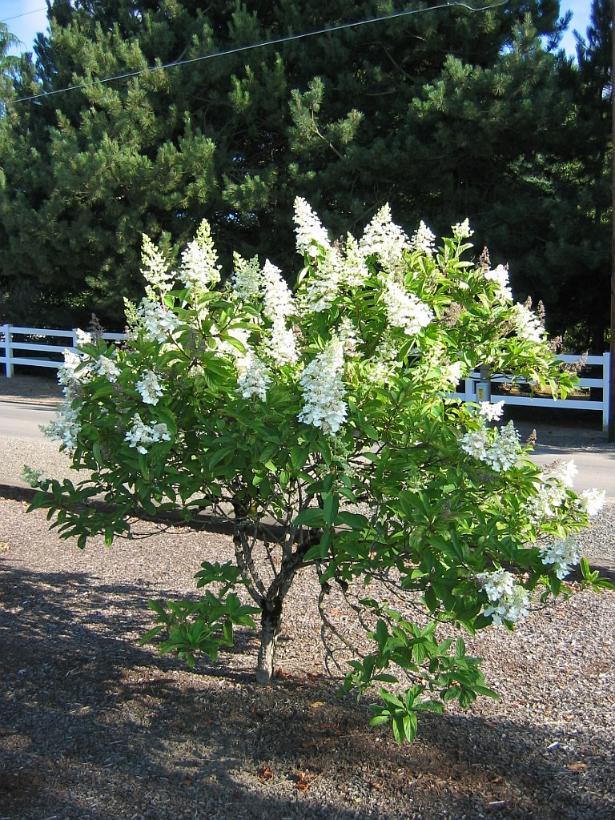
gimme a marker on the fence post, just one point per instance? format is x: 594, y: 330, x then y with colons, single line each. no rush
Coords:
x: 606, y: 391
x: 469, y: 389
x: 8, y: 352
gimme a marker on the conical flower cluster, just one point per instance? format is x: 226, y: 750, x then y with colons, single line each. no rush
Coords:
x: 323, y: 389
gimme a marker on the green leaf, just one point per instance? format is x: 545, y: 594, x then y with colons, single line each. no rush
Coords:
x: 381, y: 634
x: 585, y: 569
x: 330, y: 508
x: 384, y: 677
x: 327, y: 483
x: 105, y: 389
x: 489, y: 693
x: 298, y: 456
x: 353, y: 520
x: 431, y: 600
x: 310, y: 517
x: 320, y: 550
x: 410, y: 725
x: 397, y: 725
x: 233, y: 341
x: 429, y: 706
x: 151, y: 633
x: 219, y: 455
x: 97, y: 452
x: 452, y: 693
x: 390, y: 699
x: 419, y: 653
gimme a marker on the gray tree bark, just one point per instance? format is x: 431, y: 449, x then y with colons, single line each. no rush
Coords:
x: 271, y: 620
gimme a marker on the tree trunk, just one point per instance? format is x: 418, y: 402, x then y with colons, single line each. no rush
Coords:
x: 271, y: 620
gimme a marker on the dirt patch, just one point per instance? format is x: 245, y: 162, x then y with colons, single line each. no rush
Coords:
x: 94, y: 726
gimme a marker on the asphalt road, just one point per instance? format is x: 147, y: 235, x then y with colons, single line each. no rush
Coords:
x: 22, y: 421
x: 594, y: 458
x: 596, y: 467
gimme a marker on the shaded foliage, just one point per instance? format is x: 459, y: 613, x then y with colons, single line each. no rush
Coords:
x: 441, y: 114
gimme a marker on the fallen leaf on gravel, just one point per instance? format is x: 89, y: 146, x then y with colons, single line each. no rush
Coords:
x: 4, y: 547
x: 265, y: 773
x: 577, y: 766
x: 302, y: 781
x: 317, y: 704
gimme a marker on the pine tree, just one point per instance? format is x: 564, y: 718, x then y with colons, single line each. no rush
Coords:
x: 444, y: 114
x: 581, y: 249
x: 8, y: 62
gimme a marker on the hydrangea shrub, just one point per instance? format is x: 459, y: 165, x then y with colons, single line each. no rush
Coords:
x: 318, y: 423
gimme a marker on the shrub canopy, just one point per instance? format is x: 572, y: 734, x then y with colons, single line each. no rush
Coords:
x: 318, y: 425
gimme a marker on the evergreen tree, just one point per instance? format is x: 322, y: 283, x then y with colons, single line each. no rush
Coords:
x: 444, y: 114
x: 8, y: 62
x: 579, y: 244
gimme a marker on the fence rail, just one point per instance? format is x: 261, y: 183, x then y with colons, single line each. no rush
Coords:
x: 599, y: 405
x: 8, y: 346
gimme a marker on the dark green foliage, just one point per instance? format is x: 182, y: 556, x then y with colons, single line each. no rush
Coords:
x: 442, y: 114
x: 583, y: 190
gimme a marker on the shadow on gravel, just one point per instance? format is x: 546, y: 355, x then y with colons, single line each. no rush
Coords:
x: 93, y: 726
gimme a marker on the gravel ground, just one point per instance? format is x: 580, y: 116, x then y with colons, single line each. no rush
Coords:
x: 43, y: 455
x: 93, y: 726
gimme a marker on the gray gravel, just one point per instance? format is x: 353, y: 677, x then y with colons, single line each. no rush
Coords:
x: 598, y: 542
x: 93, y: 726
x: 42, y: 455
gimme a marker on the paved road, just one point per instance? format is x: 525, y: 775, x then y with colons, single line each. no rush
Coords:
x: 22, y: 421
x: 594, y: 458
x: 596, y: 468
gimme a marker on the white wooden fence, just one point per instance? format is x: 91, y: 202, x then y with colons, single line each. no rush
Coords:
x: 12, y: 339
x: 10, y: 342
x: 602, y: 382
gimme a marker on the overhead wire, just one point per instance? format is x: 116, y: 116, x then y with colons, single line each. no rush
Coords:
x: 261, y: 44
x: 23, y: 14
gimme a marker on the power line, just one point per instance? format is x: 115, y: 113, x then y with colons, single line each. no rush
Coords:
x: 277, y: 41
x: 23, y: 14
